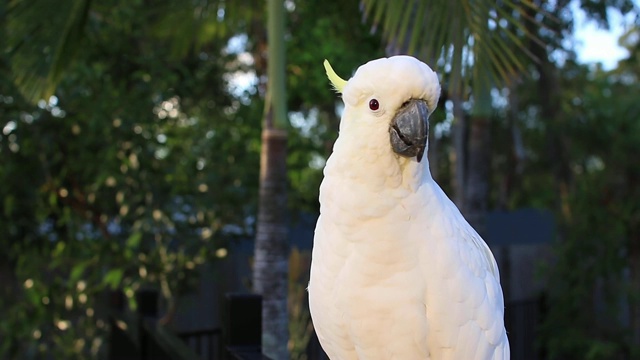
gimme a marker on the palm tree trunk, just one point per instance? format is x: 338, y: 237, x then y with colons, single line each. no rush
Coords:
x: 634, y: 275
x: 458, y: 157
x: 478, y: 169
x: 477, y: 186
x: 458, y: 96
x: 548, y: 92
x: 517, y: 155
x: 271, y: 265
x: 270, y: 271
x: 476, y: 193
x: 633, y: 223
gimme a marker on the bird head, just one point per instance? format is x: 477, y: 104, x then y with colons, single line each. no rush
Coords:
x: 388, y: 102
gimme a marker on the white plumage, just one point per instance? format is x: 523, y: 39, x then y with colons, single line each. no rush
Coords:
x: 397, y: 272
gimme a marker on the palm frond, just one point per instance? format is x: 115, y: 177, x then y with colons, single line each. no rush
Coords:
x: 475, y: 41
x: 189, y: 26
x: 413, y: 43
x: 42, y: 39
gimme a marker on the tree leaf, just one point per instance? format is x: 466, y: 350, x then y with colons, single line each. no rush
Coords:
x: 77, y: 271
x: 42, y: 50
x: 134, y: 240
x: 113, y: 278
x: 9, y: 204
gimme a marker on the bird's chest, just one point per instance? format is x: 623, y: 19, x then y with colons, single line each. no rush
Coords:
x: 374, y: 298
x: 375, y: 275
x: 371, y: 235
x: 357, y: 207
x: 366, y: 280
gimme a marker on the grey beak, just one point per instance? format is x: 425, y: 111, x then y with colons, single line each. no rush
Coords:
x: 409, y: 129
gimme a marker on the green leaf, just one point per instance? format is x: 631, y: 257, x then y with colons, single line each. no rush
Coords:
x: 134, y: 240
x: 77, y: 271
x: 9, y: 204
x: 53, y: 199
x: 113, y: 278
x: 59, y: 249
x: 42, y: 50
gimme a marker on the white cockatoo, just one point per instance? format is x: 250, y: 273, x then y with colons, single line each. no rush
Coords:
x: 397, y: 272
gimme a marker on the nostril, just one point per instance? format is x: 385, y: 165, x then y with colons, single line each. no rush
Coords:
x: 406, y: 103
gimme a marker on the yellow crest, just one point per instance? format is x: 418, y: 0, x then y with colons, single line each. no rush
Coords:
x: 337, y: 82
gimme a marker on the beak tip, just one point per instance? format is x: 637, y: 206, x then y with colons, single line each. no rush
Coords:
x: 419, y: 155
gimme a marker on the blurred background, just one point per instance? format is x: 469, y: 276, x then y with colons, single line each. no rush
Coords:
x: 130, y: 151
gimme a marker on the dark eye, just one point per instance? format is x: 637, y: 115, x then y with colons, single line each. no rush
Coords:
x: 374, y: 105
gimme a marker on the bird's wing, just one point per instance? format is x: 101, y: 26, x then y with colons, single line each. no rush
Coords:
x: 329, y: 258
x: 464, y: 300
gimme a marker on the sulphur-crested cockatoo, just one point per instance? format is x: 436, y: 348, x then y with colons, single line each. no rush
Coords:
x: 397, y: 272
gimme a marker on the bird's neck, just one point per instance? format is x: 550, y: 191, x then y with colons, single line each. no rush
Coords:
x: 377, y: 170
x: 373, y: 190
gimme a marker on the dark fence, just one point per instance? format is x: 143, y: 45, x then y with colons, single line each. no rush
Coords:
x: 522, y: 319
x: 206, y: 343
x: 136, y: 336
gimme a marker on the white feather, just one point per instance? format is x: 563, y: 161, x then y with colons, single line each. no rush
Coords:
x: 397, y: 272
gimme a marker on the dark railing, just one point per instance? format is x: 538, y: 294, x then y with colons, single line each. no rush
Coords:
x: 522, y: 319
x: 136, y: 336
x: 243, y: 326
x: 207, y: 343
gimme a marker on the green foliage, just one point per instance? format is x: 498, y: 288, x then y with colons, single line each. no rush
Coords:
x: 339, y: 36
x: 320, y: 32
x: 589, y: 288
x: 43, y: 50
x: 40, y: 57
x: 125, y: 178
